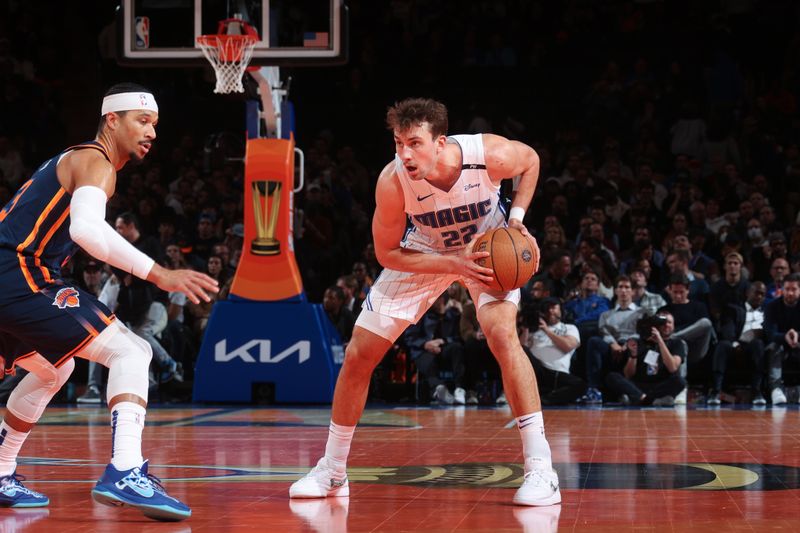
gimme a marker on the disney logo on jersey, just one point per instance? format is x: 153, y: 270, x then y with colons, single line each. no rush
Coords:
x: 67, y: 297
x: 471, y: 186
x: 454, y: 215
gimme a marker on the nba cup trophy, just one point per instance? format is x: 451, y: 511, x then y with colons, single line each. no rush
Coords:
x: 266, y: 204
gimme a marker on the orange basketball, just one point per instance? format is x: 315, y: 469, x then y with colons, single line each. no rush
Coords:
x: 511, y: 255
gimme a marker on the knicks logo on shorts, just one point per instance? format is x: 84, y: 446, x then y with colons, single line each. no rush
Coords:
x: 67, y: 297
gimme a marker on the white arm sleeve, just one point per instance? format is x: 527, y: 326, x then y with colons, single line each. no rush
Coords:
x: 89, y: 229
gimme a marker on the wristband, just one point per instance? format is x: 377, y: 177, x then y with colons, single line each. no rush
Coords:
x: 516, y: 213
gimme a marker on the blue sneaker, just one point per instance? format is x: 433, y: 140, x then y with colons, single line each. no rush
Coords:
x: 14, y: 494
x: 137, y: 488
x: 592, y: 396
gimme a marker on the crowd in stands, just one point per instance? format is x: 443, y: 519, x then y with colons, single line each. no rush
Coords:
x: 669, y: 187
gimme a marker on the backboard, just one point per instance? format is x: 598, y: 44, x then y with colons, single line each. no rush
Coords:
x: 290, y: 32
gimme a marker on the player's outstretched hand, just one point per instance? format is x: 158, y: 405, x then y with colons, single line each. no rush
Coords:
x: 514, y: 223
x: 195, y: 285
x: 468, y: 268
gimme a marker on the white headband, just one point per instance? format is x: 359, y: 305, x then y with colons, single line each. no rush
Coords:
x: 128, y: 102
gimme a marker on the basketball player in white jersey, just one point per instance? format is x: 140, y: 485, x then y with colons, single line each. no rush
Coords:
x: 437, y: 195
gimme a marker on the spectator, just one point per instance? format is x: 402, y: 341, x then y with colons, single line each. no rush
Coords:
x: 435, y: 344
x: 479, y: 360
x: 93, y: 280
x: 678, y: 263
x: 778, y: 271
x: 650, y: 302
x: 616, y: 326
x: 691, y: 322
x: 556, y: 274
x: 651, y: 374
x: 550, y: 347
x: 741, y: 332
x: 586, y: 306
x: 349, y: 285
x: 341, y: 318
x: 781, y: 325
x: 363, y: 279
x: 731, y: 290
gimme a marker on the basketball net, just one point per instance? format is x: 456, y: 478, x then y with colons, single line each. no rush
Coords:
x: 229, y: 52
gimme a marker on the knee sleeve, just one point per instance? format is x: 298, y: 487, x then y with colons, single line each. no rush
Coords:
x: 127, y: 357
x: 29, y: 399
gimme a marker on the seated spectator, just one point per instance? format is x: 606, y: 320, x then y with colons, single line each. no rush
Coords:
x: 741, y: 332
x: 778, y: 271
x: 479, y: 360
x: 731, y: 290
x: 650, y: 302
x: 434, y: 343
x: 678, y: 263
x: 349, y: 284
x: 558, y: 270
x: 342, y: 319
x: 550, y: 347
x: 642, y: 247
x: 651, y: 375
x: 692, y: 322
x: 587, y: 306
x: 363, y: 279
x: 616, y: 326
x: 700, y: 262
x: 781, y: 325
x: 93, y: 281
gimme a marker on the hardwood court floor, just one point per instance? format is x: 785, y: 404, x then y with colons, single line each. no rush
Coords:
x: 439, y: 469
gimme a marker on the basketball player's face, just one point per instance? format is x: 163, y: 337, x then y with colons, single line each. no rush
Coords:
x: 138, y: 130
x: 418, y: 150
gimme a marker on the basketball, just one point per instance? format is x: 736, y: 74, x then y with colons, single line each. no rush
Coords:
x: 511, y: 255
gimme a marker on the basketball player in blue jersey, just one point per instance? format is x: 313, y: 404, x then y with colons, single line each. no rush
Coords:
x: 437, y: 195
x: 45, y: 322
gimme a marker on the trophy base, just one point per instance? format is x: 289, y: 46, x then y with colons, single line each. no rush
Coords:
x: 265, y: 247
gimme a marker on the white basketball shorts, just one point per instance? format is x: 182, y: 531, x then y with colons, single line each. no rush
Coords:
x: 399, y: 299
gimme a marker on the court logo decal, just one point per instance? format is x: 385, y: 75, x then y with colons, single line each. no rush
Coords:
x: 67, y: 297
x: 572, y: 476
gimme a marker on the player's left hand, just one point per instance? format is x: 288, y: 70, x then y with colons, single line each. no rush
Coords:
x: 517, y: 224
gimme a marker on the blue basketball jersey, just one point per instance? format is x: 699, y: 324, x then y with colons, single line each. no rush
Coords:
x: 34, y: 225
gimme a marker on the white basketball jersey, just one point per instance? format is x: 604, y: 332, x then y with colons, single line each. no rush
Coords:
x: 444, y: 221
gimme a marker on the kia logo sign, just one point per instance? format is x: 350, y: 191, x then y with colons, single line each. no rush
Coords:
x: 260, y: 351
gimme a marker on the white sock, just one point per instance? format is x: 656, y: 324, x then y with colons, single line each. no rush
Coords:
x: 11, y: 441
x: 127, y: 423
x: 338, y: 446
x: 535, y: 447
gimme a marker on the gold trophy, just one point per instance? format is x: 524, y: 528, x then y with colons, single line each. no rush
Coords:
x: 266, y: 213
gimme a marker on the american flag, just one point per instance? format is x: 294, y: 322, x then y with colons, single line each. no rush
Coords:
x: 315, y: 39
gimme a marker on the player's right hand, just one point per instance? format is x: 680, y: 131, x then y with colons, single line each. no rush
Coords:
x: 195, y: 285
x: 467, y: 267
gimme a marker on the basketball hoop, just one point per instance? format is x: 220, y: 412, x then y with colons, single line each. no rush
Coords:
x: 229, y: 52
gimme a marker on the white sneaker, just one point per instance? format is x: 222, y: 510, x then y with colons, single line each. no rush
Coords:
x: 321, y: 482
x: 778, y: 397
x: 460, y: 396
x: 680, y: 399
x: 501, y: 400
x: 442, y: 395
x: 539, y: 487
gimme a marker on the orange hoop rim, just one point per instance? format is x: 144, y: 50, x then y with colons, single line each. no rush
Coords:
x: 208, y: 40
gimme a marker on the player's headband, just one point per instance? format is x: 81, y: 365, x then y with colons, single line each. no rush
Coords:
x: 128, y: 102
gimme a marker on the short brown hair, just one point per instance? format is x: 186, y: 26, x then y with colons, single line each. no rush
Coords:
x: 411, y: 112
x: 620, y: 279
